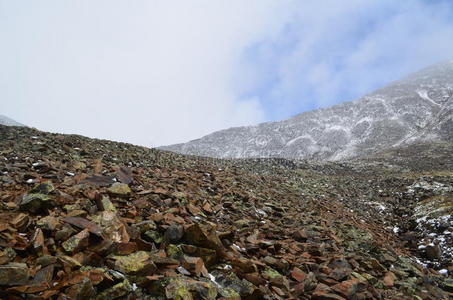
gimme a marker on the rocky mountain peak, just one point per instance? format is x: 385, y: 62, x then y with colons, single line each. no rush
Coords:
x: 415, y: 108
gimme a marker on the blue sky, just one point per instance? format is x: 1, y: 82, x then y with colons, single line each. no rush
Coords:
x: 154, y: 72
x: 324, y: 58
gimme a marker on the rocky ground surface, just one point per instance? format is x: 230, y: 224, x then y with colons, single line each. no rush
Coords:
x: 92, y: 219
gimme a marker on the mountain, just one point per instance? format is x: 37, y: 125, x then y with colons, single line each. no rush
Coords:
x: 84, y: 218
x: 4, y: 120
x: 416, y: 108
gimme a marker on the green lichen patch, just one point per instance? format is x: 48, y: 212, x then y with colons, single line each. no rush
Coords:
x: 136, y: 263
x: 36, y: 202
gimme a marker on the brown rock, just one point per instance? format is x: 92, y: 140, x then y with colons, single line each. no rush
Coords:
x: 323, y: 292
x: 46, y: 260
x: 195, y: 265
x: 124, y: 175
x: 209, y: 256
x: 349, y: 287
x: 100, y: 180
x: 389, y: 279
x: 388, y: 258
x: 278, y: 291
x: 84, y: 224
x: 113, y: 228
x: 255, y: 278
x: 320, y: 287
x: 69, y: 261
x: 375, y: 265
x: 243, y: 265
x: 298, y: 275
x: 21, y: 222
x: 203, y: 236
x: 44, y: 275
x: 126, y: 248
x: 82, y: 290
x: 310, y: 282
x: 300, y: 235
x: 38, y: 241
x: 433, y: 252
x: 48, y: 223
x: 325, y: 296
x: 77, y: 242
x: 340, y: 274
x: 14, y: 274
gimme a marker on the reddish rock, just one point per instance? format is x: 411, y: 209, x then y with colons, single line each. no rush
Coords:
x: 203, y: 236
x: 323, y: 292
x: 389, y: 279
x: 298, y: 275
x: 349, y: 287
x: 326, y: 296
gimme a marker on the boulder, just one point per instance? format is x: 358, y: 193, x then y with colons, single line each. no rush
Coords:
x: 14, y: 274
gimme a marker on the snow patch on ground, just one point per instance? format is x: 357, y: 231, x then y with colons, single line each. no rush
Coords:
x: 424, y: 95
x: 378, y: 205
x: 305, y: 136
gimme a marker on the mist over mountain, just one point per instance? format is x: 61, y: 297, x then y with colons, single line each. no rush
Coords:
x: 418, y: 107
x: 4, y: 120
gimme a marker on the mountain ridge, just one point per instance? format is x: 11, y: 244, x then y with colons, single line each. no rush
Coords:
x: 4, y: 120
x: 403, y: 108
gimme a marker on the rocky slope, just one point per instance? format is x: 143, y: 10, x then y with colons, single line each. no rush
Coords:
x: 93, y: 219
x: 416, y: 108
x: 4, y: 120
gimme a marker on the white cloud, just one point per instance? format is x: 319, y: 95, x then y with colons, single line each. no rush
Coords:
x: 159, y: 72
x: 332, y: 51
x: 155, y: 72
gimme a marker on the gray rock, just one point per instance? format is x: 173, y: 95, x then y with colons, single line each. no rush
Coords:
x: 174, y: 234
x: 433, y: 252
x: 36, y: 202
x: 43, y: 188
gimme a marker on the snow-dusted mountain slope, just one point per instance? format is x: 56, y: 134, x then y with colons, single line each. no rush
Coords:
x: 416, y: 108
x: 4, y: 120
